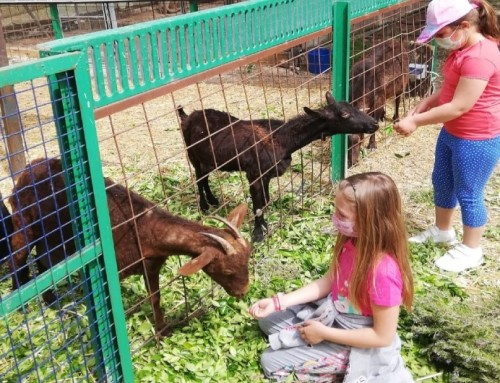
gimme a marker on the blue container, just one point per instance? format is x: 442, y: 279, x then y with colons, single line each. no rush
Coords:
x: 319, y: 60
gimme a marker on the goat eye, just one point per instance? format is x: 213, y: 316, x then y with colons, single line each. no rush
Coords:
x: 345, y: 115
x: 227, y: 272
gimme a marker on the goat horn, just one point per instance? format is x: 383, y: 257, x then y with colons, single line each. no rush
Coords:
x: 228, y: 248
x: 231, y: 227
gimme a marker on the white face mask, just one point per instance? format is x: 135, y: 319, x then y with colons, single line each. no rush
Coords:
x: 448, y: 43
x: 344, y: 227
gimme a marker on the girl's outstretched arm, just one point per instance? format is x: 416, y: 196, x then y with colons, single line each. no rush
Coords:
x: 385, y: 323
x: 426, y: 104
x: 466, y: 94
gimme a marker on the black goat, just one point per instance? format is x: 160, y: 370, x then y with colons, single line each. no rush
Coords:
x: 261, y: 148
x: 5, y: 230
x: 379, y: 76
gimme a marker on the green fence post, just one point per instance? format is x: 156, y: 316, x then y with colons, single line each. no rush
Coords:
x: 76, y: 132
x: 340, y: 79
x: 56, y: 21
x: 193, y: 6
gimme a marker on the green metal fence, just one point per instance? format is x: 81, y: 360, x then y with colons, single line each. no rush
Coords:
x: 66, y: 77
x: 88, y: 73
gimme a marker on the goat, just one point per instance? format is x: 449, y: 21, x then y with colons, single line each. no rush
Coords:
x: 5, y: 230
x: 41, y: 218
x: 379, y: 76
x: 261, y: 148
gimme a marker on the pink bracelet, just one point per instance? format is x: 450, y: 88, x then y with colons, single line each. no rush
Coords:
x: 276, y: 303
x: 280, y: 301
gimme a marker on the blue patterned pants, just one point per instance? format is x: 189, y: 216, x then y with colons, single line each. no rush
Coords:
x: 461, y: 170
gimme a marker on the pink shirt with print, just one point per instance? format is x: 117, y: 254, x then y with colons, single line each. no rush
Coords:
x: 387, y: 289
x: 479, y: 61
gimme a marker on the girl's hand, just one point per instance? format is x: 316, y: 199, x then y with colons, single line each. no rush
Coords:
x: 312, y: 331
x: 262, y: 308
x: 406, y: 126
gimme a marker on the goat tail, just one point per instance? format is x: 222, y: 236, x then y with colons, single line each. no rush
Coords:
x: 181, y: 113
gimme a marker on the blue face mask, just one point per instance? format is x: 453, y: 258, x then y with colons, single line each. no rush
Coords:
x: 448, y: 43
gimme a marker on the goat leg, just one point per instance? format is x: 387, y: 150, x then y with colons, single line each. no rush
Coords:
x: 354, y: 148
x: 152, y: 281
x: 372, y: 144
x: 20, y: 242
x: 201, y: 180
x: 206, y: 196
x: 397, y: 101
x: 257, y: 194
x: 49, y: 296
x: 212, y: 200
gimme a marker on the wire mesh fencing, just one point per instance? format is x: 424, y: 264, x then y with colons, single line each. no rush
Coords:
x: 58, y: 308
x: 389, y: 71
x: 145, y: 147
x: 156, y: 173
x: 24, y: 26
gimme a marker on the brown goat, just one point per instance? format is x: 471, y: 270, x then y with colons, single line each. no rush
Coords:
x: 378, y: 77
x: 144, y: 235
x: 261, y: 148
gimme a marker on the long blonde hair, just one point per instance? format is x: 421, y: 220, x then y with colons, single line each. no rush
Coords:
x: 381, y: 229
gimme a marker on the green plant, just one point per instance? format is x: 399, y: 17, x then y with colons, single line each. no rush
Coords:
x: 462, y: 336
x: 425, y: 197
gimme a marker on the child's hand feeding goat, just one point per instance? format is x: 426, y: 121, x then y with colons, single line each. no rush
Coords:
x: 261, y: 148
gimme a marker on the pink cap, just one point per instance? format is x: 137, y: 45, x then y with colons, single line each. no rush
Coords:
x: 440, y: 13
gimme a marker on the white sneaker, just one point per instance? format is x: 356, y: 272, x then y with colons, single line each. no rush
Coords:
x: 433, y: 234
x: 460, y: 258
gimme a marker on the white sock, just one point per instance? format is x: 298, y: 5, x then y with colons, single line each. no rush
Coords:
x: 447, y: 232
x: 472, y: 250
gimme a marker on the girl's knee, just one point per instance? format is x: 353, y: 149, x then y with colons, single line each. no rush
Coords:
x: 266, y: 325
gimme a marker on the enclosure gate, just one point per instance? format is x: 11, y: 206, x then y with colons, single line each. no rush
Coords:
x: 93, y: 75
x: 67, y: 79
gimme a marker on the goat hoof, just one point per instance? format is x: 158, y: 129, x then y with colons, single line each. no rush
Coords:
x: 257, y: 236
x: 50, y: 298
x: 163, y: 331
x: 213, y: 202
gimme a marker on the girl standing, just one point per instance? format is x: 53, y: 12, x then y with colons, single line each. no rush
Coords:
x: 468, y: 105
x: 342, y: 327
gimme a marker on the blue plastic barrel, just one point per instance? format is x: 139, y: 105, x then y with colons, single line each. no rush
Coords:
x: 319, y: 60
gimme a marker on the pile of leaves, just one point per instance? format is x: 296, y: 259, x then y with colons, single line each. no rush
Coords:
x: 448, y: 337
x: 461, y: 336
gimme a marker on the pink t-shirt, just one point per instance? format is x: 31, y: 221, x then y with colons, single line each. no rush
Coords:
x: 479, y: 61
x: 387, y: 289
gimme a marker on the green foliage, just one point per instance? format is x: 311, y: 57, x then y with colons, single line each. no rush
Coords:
x: 461, y: 336
x: 446, y: 331
x: 425, y: 197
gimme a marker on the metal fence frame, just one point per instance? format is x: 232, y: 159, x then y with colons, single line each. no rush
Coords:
x: 113, y: 67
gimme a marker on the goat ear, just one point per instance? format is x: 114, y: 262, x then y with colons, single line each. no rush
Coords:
x: 329, y: 99
x: 238, y: 214
x: 196, y: 264
x: 311, y: 112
